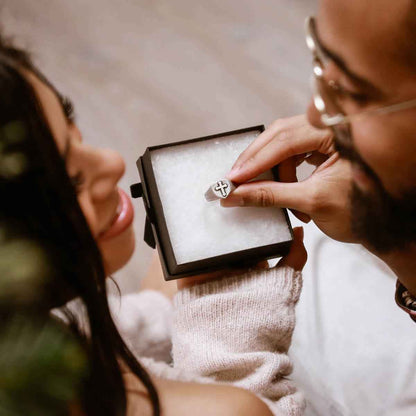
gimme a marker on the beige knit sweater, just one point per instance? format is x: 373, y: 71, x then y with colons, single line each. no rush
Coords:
x: 234, y: 331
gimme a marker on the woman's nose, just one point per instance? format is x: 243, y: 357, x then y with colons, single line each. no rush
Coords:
x: 110, y: 168
x: 114, y: 162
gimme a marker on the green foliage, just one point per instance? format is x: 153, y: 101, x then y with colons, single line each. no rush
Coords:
x: 42, y: 365
x: 24, y: 268
x: 41, y: 368
x: 12, y: 163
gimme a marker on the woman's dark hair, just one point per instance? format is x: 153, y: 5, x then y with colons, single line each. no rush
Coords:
x: 38, y: 202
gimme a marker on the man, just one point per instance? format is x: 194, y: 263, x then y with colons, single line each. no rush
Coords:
x: 364, y: 189
x: 353, y: 350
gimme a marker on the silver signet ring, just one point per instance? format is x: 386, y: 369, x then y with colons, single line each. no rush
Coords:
x: 219, y: 190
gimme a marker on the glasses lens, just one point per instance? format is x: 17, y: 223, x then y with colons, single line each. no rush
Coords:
x: 326, y: 104
x: 328, y: 96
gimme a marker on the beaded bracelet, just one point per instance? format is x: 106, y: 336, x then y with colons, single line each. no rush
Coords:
x: 409, y: 300
x: 405, y: 300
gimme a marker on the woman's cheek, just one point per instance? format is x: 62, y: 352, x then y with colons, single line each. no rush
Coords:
x: 89, y: 213
x: 117, y: 251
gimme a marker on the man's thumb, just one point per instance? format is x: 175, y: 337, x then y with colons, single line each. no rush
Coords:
x: 291, y: 195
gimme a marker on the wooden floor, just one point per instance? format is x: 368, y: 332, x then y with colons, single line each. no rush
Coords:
x: 143, y: 72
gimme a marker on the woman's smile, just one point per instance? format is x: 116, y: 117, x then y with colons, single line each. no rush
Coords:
x: 122, y: 219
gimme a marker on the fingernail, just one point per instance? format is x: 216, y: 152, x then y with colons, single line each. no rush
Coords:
x: 232, y: 201
x: 234, y: 172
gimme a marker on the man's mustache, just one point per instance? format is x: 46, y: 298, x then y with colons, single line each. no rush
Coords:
x: 346, y: 150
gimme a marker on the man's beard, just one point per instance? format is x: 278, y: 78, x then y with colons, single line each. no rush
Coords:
x: 381, y: 222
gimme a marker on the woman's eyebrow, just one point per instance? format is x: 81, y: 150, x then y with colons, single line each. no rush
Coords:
x: 67, y: 107
x: 66, y: 103
x: 67, y: 148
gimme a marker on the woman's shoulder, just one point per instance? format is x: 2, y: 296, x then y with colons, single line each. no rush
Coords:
x: 182, y: 398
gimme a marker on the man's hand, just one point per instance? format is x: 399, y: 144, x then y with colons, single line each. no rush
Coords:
x: 323, y: 197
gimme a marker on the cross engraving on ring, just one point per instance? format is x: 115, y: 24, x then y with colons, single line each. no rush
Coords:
x: 221, y: 186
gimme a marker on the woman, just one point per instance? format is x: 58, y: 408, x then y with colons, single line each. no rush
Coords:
x: 63, y: 194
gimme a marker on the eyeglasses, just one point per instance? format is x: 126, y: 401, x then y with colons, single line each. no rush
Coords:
x: 325, y: 93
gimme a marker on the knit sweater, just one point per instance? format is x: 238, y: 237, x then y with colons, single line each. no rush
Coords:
x: 235, y: 331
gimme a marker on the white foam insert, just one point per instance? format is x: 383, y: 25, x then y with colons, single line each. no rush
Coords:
x: 200, y: 229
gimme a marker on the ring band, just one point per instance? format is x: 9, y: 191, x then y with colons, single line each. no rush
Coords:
x: 219, y: 190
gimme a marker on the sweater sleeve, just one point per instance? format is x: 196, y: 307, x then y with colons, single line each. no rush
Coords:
x: 238, y: 331
x: 144, y: 320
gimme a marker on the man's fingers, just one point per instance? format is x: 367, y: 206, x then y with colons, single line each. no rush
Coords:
x: 268, y: 194
x: 261, y: 141
x: 316, y: 159
x: 298, y: 255
x: 273, y: 153
x: 268, y: 135
x: 285, y: 144
x: 287, y: 173
x: 287, y: 170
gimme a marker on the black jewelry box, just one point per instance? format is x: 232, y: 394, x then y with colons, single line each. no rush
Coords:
x: 173, y: 165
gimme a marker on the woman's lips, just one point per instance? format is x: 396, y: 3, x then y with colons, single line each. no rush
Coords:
x: 123, y: 218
